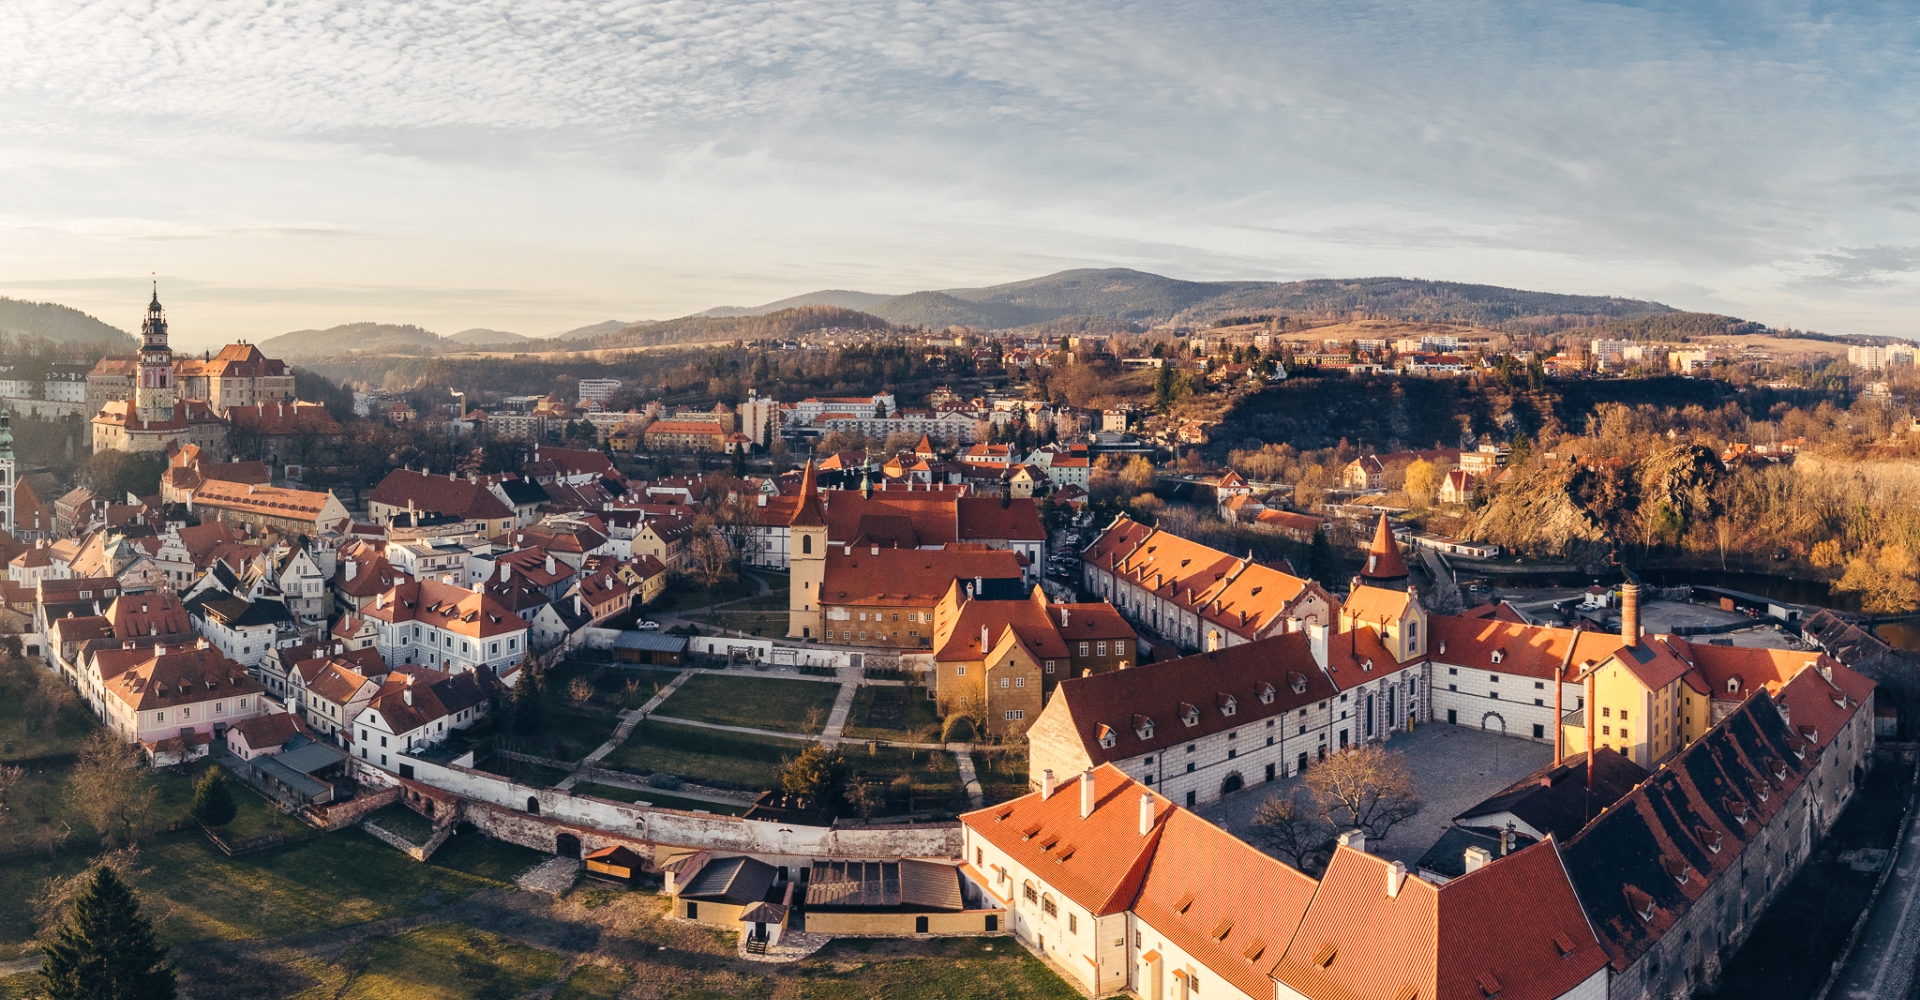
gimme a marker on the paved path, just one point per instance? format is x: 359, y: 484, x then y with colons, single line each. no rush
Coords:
x: 639, y: 784
x: 629, y: 718
x: 842, y: 704
x: 969, y: 780
x: 1882, y: 966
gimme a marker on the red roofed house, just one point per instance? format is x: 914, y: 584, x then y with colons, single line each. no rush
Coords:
x: 263, y: 735
x: 415, y: 708
x: 447, y: 627
x: 468, y: 498
x: 1067, y: 862
x: 1512, y: 929
x: 190, y: 693
x: 1237, y: 708
x: 1195, y: 596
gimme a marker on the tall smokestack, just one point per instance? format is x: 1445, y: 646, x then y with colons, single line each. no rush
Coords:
x: 1630, y: 612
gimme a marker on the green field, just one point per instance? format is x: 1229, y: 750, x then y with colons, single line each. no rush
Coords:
x: 630, y: 687
x: 790, y: 706
x: 665, y: 800
x: 701, y: 755
x: 886, y: 712
x: 593, y: 982
x: 934, y: 776
x: 445, y: 962
x: 533, y: 775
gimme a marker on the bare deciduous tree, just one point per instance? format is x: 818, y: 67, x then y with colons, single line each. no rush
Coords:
x: 107, y: 778
x: 1292, y: 829
x: 1368, y: 787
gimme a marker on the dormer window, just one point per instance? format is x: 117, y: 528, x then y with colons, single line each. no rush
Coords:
x: 1108, y: 738
x: 1733, y: 685
x: 1366, y: 664
x: 1298, y: 682
x: 1266, y: 694
x: 1229, y: 705
x: 1709, y: 839
x: 1143, y: 727
x: 1760, y: 789
x: 1641, y: 903
x: 1680, y: 870
x: 1499, y: 654
x: 1779, y: 769
x: 1739, y: 811
x: 1189, y: 715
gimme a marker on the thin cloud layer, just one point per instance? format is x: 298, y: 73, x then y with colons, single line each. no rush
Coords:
x: 655, y: 158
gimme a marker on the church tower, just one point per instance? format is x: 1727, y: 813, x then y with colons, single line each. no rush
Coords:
x: 153, y: 393
x: 7, y: 471
x: 807, y: 553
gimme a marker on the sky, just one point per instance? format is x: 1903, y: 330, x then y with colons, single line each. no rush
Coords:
x: 537, y: 165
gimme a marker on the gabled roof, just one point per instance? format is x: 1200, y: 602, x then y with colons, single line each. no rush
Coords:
x: 178, y: 676
x: 1239, y: 595
x: 467, y: 499
x: 1221, y: 901
x: 1684, y: 821
x: 910, y: 576
x: 1373, y: 605
x: 157, y: 613
x: 741, y: 881
x: 1013, y: 518
x: 1028, y: 620
x: 456, y: 609
x: 263, y: 732
x: 1165, y: 694
x: 1514, y: 929
x: 1098, y: 862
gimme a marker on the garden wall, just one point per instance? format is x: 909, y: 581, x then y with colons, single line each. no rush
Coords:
x: 501, y: 807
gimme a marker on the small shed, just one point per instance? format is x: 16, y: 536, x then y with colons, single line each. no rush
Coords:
x: 614, y: 864
x: 652, y: 648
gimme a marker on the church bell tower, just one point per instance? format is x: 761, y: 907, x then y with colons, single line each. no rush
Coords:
x: 153, y: 394
x: 7, y: 471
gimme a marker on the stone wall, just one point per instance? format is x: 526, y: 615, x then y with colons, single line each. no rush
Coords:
x: 339, y: 815
x: 535, y: 817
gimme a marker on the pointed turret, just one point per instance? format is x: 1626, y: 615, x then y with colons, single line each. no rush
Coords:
x: 1384, y: 564
x: 809, y: 514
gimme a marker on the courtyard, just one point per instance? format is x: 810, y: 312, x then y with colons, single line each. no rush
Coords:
x: 1453, y: 767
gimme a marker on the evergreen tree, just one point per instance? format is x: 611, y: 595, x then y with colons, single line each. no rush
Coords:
x: 212, y: 801
x: 1320, y: 557
x: 106, y: 949
x: 524, y: 703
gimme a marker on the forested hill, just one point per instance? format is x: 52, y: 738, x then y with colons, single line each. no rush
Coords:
x: 62, y: 325
x: 1142, y: 298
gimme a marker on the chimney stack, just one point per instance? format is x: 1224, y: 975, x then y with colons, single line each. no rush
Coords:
x: 1086, y: 793
x: 506, y: 571
x: 1317, y: 642
x: 1630, y: 612
x: 1146, y: 813
x: 986, y: 640
x: 1046, y: 784
x: 1354, y: 840
x: 1396, y: 877
x: 1477, y: 858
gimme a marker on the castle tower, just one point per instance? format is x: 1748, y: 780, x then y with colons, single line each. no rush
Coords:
x: 7, y: 471
x: 807, y: 553
x: 154, y: 390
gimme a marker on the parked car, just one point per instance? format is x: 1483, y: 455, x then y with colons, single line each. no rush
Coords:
x: 648, y: 626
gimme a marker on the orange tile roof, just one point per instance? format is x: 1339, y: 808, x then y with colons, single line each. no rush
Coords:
x: 1240, y: 909
x: 270, y: 501
x: 1107, y: 854
x: 1383, y: 555
x: 1164, y: 694
x: 909, y: 576
x: 1243, y: 597
x: 443, y: 605
x: 178, y: 676
x: 458, y: 497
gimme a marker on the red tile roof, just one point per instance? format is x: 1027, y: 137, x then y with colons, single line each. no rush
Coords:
x: 462, y: 498
x: 1383, y: 555
x: 178, y: 676
x: 1107, y: 855
x: 1227, y: 905
x: 909, y: 576
x: 456, y: 609
x: 1197, y: 687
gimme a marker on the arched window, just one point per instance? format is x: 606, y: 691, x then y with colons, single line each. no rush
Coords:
x: 1413, y: 633
x: 1031, y: 894
x: 806, y: 545
x: 1048, y: 907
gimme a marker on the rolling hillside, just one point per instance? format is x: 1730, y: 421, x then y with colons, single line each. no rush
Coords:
x: 62, y: 325
x: 347, y: 337
x: 837, y: 297
x: 696, y: 329
x: 482, y: 335
x: 1139, y: 297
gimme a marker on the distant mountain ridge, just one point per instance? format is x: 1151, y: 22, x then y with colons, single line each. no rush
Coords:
x: 482, y: 335
x: 62, y: 325
x: 1140, y: 297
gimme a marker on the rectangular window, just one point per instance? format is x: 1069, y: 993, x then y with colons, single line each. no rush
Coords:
x: 1606, y: 730
x: 1004, y: 682
x: 960, y: 671
x: 1623, y: 715
x: 1083, y: 649
x: 1049, y: 666
x: 1605, y: 712
x: 1019, y: 682
x: 1101, y: 649
x: 1623, y: 733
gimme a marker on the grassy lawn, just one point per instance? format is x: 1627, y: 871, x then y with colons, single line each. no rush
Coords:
x: 686, y: 595
x: 1001, y: 778
x: 194, y: 892
x: 568, y: 734
x: 446, y: 962
x: 401, y: 821
x: 902, y: 714
x: 760, y: 702
x: 760, y: 623
x: 650, y: 796
x: 630, y: 687
x: 945, y: 969
x: 593, y: 982
x: 703, y: 755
